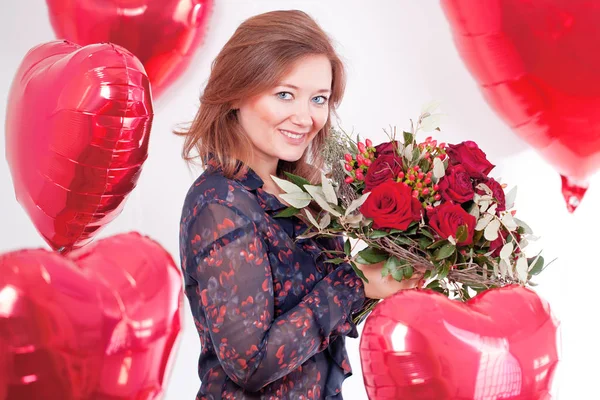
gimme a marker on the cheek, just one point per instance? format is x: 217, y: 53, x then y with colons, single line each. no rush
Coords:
x: 321, y: 118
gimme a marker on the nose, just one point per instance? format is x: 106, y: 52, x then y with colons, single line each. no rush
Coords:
x: 302, y: 116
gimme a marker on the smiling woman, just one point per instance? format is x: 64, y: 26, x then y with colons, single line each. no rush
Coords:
x: 271, y: 313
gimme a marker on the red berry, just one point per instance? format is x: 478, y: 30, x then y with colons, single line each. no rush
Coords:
x: 436, y: 187
x: 349, y: 179
x: 415, y: 193
x: 368, y: 162
x: 433, y: 143
x: 416, y: 168
x: 361, y: 147
x: 419, y: 185
x: 427, y: 181
x: 348, y: 157
x: 420, y: 175
x: 428, y: 208
x: 359, y: 175
x: 442, y: 145
x: 360, y: 159
x: 411, y: 177
x: 348, y: 167
x: 425, y: 192
x: 369, y: 143
x: 426, y: 154
x: 437, y: 196
x: 428, y: 139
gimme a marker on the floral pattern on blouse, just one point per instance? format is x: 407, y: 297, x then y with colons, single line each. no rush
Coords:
x: 272, y: 316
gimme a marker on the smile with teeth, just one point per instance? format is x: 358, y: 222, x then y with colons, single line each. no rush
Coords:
x: 292, y: 135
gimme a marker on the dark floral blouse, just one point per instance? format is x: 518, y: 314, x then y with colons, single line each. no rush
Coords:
x: 271, y: 315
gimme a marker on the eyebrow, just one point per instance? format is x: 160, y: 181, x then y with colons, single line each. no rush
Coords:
x: 297, y: 88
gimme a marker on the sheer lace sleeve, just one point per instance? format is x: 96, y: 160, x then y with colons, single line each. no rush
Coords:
x: 229, y: 263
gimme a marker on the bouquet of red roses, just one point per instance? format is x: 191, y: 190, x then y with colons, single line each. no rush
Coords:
x: 420, y: 207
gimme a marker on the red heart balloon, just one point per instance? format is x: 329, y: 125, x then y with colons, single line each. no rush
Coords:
x: 163, y: 34
x: 100, y: 323
x: 77, y: 128
x: 535, y: 65
x: 419, y: 345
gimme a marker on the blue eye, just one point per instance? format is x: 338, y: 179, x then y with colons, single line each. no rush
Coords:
x: 320, y: 99
x: 284, y: 95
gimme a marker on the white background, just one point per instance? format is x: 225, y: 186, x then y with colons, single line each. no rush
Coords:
x: 399, y: 55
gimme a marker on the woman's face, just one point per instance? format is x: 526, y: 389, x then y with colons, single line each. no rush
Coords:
x: 282, y: 122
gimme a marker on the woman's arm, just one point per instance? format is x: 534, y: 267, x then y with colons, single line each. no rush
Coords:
x: 233, y: 274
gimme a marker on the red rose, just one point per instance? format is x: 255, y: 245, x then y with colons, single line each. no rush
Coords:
x: 385, y: 167
x: 496, y: 245
x: 387, y: 148
x: 391, y: 205
x: 456, y: 186
x: 446, y: 218
x: 497, y: 192
x: 470, y: 156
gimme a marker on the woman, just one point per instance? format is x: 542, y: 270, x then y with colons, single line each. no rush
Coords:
x: 271, y: 315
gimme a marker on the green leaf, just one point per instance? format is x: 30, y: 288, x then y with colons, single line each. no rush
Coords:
x: 433, y: 284
x: 317, y: 193
x: 443, y: 272
x: 431, y: 122
x: 287, y: 186
x: 353, y: 147
x: 426, y: 233
x: 372, y: 256
x: 438, y: 168
x: 408, y: 137
x: 425, y: 165
x: 358, y: 272
x: 462, y: 233
x: 311, y: 218
x: 298, y: 180
x: 385, y: 271
x: 325, y: 221
x: 288, y: 212
x: 416, y: 153
x: 347, y: 247
x: 335, y: 260
x: 491, y: 231
x: 378, y: 234
x: 328, y: 190
x: 536, y: 265
x: 408, y: 272
x: 445, y: 251
x: 404, y: 241
x: 424, y: 243
x: 356, y: 203
x: 437, y: 244
x: 297, y: 199
x: 430, y: 107
x: 398, y: 274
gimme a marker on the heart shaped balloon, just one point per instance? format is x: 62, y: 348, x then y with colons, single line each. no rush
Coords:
x: 77, y: 128
x: 163, y: 34
x: 419, y: 345
x: 100, y: 323
x: 533, y: 62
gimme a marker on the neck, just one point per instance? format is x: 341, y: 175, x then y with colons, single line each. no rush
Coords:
x: 264, y: 169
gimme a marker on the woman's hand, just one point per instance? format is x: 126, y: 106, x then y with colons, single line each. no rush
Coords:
x: 379, y: 287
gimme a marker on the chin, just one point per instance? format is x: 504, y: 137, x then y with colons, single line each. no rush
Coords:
x: 291, y: 156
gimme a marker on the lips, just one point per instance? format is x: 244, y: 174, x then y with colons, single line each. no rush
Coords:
x: 292, y: 134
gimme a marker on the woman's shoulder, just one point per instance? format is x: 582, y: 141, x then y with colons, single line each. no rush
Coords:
x: 213, y: 187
